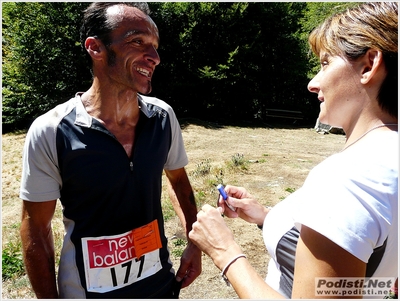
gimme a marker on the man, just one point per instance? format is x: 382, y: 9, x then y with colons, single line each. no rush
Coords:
x: 102, y: 154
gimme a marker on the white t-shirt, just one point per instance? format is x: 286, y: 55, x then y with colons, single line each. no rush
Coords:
x: 350, y: 198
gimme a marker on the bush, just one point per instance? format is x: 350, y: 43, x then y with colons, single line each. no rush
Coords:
x: 12, y: 262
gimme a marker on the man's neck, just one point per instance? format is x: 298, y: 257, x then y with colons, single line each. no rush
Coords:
x: 118, y: 112
x: 112, y: 107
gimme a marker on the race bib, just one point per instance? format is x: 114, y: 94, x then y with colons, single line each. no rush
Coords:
x: 112, y: 262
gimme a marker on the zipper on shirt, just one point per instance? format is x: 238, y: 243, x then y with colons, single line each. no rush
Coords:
x: 131, y: 165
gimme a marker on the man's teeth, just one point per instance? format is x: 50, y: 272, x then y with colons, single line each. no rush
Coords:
x: 143, y: 71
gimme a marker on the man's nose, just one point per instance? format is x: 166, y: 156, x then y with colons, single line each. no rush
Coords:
x: 152, y: 55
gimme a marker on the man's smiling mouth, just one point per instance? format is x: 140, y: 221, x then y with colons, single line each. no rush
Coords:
x: 143, y: 71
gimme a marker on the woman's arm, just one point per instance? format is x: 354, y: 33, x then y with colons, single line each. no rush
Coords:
x: 319, y: 257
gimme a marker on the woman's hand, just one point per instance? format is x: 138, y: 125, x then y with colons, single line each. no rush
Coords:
x: 246, y: 206
x: 213, y: 237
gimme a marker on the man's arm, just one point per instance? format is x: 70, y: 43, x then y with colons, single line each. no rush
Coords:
x: 181, y: 194
x: 38, y: 247
x: 182, y: 198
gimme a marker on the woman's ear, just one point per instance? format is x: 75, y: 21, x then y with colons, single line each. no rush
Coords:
x: 94, y: 47
x: 372, y: 63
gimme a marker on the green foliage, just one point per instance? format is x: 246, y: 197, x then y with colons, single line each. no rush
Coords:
x: 12, y: 263
x: 42, y: 60
x: 200, y: 197
x: 202, y: 169
x: 290, y: 190
x: 238, y: 162
x: 314, y: 14
x: 233, y: 58
x: 220, y: 61
x: 167, y: 209
x: 179, y: 247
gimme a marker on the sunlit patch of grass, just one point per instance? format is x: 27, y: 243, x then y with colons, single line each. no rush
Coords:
x: 12, y: 265
x: 179, y: 246
x: 238, y: 162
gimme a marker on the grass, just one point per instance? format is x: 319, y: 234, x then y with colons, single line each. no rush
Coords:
x: 263, y: 165
x: 167, y: 208
x: 290, y: 190
x: 179, y: 246
x: 11, y: 261
x: 206, y: 176
x: 202, y: 169
x: 238, y: 162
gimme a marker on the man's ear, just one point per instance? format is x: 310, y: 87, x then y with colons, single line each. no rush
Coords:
x: 94, y: 47
x: 372, y: 63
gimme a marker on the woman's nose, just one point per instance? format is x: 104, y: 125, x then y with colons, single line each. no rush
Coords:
x: 313, y: 85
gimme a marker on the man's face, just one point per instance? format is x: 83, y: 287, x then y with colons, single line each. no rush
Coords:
x: 132, y: 54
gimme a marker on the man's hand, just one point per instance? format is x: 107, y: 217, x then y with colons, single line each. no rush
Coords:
x: 190, y: 267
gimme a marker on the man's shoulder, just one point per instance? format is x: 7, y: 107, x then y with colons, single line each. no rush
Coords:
x: 150, y: 105
x: 154, y: 101
x: 53, y: 117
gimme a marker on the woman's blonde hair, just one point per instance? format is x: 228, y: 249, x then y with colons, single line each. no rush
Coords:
x: 351, y: 33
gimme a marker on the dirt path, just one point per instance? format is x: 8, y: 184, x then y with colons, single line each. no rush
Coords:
x: 271, y: 163
x: 280, y: 160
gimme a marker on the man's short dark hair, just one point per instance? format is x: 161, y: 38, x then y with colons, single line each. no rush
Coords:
x: 96, y: 24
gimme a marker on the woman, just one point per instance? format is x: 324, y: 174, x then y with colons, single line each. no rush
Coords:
x: 343, y: 222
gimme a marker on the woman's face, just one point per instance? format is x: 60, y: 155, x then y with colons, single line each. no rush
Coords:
x: 339, y: 90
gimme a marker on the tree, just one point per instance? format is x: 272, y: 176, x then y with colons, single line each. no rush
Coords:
x: 314, y: 14
x: 221, y: 61
x: 230, y: 60
x: 42, y: 60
